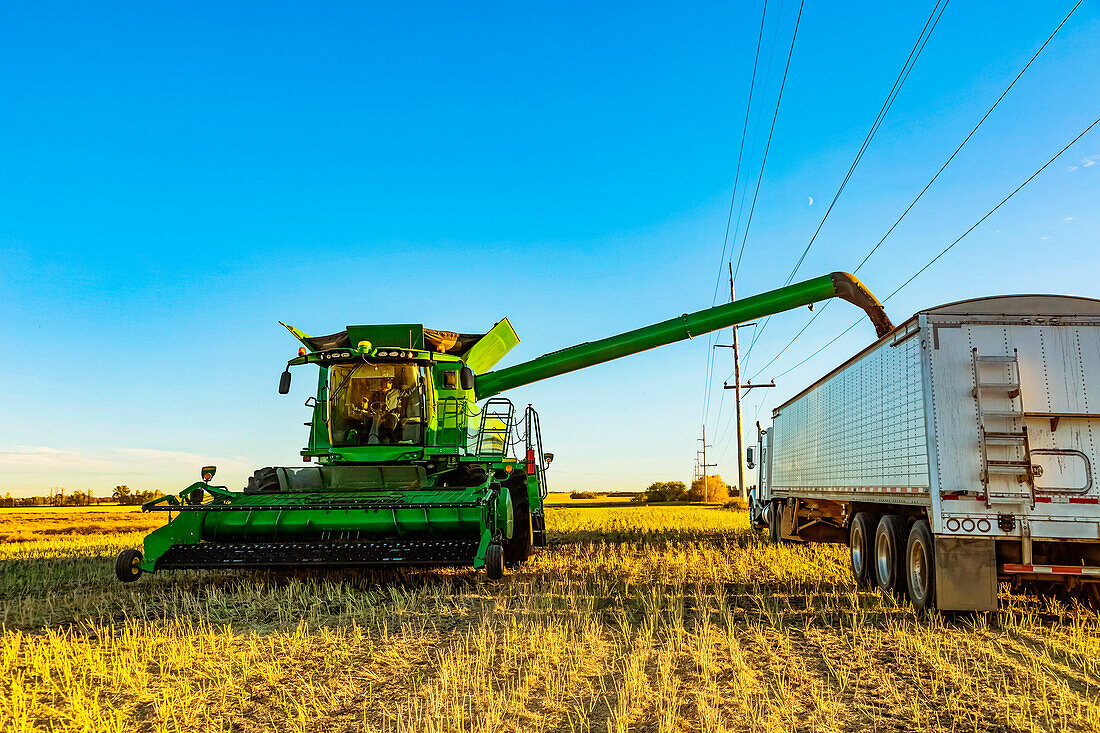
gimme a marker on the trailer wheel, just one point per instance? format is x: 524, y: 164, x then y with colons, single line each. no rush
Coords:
x: 1092, y: 595
x: 775, y: 522
x: 494, y: 562
x: 889, y: 556
x: 921, y: 566
x: 518, y: 549
x: 128, y: 566
x: 861, y: 548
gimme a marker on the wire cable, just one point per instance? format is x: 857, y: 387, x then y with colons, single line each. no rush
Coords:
x: 929, y: 184
x: 771, y: 132
x: 906, y: 68
x: 729, y: 217
x: 949, y: 247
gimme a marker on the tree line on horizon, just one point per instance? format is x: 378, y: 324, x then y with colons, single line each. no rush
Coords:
x: 60, y: 496
x: 714, y: 491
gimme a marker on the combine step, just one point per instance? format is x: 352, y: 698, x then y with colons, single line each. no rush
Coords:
x: 320, y: 554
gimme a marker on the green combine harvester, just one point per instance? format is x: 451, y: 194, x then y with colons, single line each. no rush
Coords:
x: 413, y: 459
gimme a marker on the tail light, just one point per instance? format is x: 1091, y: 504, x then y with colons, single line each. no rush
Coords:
x: 530, y: 461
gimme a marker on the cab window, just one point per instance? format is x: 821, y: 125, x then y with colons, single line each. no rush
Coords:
x: 376, y: 404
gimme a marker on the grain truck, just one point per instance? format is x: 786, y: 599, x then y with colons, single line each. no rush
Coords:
x: 953, y: 453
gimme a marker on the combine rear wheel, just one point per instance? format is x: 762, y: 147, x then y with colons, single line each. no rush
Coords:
x: 890, y: 554
x: 128, y: 566
x: 494, y: 562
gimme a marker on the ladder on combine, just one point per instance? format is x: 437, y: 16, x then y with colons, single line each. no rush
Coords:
x: 495, y: 428
x: 1004, y: 387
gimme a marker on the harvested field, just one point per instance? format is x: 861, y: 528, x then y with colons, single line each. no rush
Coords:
x: 675, y: 618
x: 36, y: 523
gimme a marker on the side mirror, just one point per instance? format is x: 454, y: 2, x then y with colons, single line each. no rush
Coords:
x: 749, y: 455
x: 284, y: 383
x: 549, y: 458
x: 466, y: 377
x: 208, y: 472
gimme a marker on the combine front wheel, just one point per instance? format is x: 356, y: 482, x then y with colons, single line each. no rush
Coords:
x: 518, y: 549
x: 494, y: 562
x: 128, y: 566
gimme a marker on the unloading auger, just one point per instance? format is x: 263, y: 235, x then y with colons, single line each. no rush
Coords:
x: 413, y: 459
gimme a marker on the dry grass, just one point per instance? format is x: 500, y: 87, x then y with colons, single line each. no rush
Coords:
x: 637, y: 618
x: 35, y: 523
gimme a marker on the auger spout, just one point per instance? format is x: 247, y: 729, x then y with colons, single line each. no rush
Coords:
x: 836, y: 285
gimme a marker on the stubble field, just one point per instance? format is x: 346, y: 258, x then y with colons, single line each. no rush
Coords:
x: 636, y: 618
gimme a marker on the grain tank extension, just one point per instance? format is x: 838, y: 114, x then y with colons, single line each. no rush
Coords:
x: 412, y: 458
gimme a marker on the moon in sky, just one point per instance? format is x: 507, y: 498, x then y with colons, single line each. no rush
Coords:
x: 811, y: 200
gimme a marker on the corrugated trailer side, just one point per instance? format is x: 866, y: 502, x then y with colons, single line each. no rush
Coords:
x: 956, y: 451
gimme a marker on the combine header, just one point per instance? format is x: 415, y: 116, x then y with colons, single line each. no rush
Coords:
x: 406, y: 467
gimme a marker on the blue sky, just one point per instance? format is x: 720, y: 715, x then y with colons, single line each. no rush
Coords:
x: 176, y: 179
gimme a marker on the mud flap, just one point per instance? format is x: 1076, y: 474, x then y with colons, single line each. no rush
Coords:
x: 966, y: 574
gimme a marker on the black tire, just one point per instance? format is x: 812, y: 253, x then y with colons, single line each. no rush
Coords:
x: 775, y: 522
x: 126, y: 566
x: 861, y: 537
x: 518, y: 549
x: 889, y: 555
x: 920, y: 566
x: 263, y: 481
x: 494, y: 562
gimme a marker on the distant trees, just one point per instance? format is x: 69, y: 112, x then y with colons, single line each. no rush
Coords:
x: 714, y: 491
x: 662, y: 491
x: 582, y: 494
x: 60, y: 496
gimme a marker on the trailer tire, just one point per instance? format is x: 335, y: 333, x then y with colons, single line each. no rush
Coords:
x: 518, y: 549
x: 889, y: 556
x: 494, y: 562
x: 920, y: 564
x: 1092, y: 595
x: 861, y: 537
x: 775, y: 522
x: 127, y: 565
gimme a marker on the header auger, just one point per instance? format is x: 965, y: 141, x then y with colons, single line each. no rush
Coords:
x: 406, y: 467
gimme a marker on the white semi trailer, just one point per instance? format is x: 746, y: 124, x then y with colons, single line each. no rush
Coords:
x: 955, y: 452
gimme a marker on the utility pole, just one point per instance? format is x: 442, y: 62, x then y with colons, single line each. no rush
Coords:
x: 737, y: 387
x: 737, y: 402
x: 704, y: 465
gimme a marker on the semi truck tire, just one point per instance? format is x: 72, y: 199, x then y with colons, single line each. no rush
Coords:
x: 889, y: 555
x: 775, y: 520
x: 861, y: 537
x: 921, y: 567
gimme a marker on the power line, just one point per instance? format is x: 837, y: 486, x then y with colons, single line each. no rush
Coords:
x: 949, y: 247
x: 771, y: 131
x: 906, y: 68
x: 740, y: 151
x: 729, y: 216
x: 763, y: 164
x: 929, y: 184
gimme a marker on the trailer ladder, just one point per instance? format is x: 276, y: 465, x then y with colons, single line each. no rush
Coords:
x: 1004, y: 436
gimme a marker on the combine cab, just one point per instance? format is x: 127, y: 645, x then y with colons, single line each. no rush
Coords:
x: 406, y: 467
